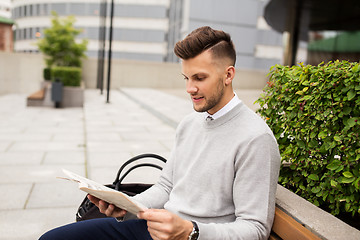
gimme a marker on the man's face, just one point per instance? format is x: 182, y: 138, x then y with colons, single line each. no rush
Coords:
x: 205, y: 82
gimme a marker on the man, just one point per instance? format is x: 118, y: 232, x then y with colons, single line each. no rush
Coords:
x: 221, y: 178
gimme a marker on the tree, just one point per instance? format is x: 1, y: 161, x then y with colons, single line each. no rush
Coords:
x: 59, y: 45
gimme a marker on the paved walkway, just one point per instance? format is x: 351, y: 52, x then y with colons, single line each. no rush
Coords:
x: 36, y: 143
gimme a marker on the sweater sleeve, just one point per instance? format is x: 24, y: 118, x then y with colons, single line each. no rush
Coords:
x: 254, y: 190
x: 158, y: 194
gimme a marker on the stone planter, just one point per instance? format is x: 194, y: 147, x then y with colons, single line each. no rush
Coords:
x: 73, y: 97
x: 322, y: 223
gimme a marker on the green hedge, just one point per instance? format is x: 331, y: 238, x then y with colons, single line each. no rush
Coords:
x: 314, y: 112
x: 69, y: 76
x: 47, y: 74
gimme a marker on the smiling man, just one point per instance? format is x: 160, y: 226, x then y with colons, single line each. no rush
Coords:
x: 220, y: 181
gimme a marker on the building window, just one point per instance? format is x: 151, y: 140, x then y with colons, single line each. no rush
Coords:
x: 60, y: 8
x: 30, y: 33
x: 38, y: 13
x: 30, y: 10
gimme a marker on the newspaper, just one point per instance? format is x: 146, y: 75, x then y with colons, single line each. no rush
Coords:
x: 107, y: 194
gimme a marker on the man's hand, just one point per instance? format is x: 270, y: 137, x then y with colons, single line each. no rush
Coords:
x: 108, y: 209
x: 165, y: 225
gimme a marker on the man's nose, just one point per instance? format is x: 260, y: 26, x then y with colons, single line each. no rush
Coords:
x: 191, y: 87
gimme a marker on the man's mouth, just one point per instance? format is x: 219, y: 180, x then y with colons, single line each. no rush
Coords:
x: 197, y: 99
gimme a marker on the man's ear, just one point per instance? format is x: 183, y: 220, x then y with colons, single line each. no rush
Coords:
x: 230, y: 74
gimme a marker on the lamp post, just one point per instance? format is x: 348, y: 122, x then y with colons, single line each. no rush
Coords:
x: 101, y: 52
x: 110, y: 50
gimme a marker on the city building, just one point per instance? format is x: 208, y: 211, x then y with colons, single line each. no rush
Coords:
x: 147, y: 30
x: 6, y: 23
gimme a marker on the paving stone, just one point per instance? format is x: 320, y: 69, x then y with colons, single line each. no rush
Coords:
x: 64, y: 158
x: 21, y: 158
x: 35, y: 174
x: 60, y: 193
x: 74, y: 136
x: 100, y: 136
x: 47, y: 146
x: 32, y: 223
x: 26, y: 137
x: 4, y: 145
x: 116, y: 159
x: 14, y: 196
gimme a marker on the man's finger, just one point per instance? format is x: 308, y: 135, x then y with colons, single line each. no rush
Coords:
x: 93, y: 199
x: 155, y: 215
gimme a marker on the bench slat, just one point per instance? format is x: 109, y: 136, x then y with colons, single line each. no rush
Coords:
x: 39, y: 95
x: 288, y: 228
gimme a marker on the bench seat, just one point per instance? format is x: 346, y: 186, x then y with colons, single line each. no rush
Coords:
x: 287, y: 228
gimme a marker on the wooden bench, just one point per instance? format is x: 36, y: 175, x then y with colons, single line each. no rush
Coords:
x: 36, y: 99
x: 287, y: 228
x: 39, y: 95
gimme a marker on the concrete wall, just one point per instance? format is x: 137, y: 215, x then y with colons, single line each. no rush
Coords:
x: 22, y: 73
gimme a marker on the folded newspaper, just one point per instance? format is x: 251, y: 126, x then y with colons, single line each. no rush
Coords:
x: 107, y: 194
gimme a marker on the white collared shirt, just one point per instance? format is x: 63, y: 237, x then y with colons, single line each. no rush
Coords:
x: 230, y: 105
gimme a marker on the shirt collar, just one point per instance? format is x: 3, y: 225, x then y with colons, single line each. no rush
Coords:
x: 230, y: 105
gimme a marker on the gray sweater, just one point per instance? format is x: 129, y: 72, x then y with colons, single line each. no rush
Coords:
x: 222, y: 174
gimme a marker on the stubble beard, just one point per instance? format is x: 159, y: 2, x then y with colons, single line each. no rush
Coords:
x: 213, y: 100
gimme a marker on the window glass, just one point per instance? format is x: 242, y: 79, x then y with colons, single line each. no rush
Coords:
x: 93, y: 9
x: 60, y: 8
x: 77, y: 9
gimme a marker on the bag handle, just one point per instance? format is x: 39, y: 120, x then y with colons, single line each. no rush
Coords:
x: 146, y: 155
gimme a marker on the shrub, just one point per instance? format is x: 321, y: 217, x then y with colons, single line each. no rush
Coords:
x: 59, y: 44
x: 314, y: 112
x: 69, y: 76
x: 47, y: 74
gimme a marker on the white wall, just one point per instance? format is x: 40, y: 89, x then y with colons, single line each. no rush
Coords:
x: 23, y: 73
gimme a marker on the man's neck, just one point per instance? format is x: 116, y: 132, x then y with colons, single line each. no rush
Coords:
x: 228, y: 106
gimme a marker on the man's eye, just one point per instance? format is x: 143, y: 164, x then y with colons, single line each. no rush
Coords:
x: 200, y: 78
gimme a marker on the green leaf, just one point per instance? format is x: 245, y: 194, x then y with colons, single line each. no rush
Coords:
x: 346, y: 180
x: 347, y: 207
x: 356, y: 68
x: 322, y: 134
x: 316, y: 189
x: 337, y: 138
x: 350, y: 122
x: 351, y: 94
x: 357, y: 183
x: 333, y: 165
x: 347, y: 110
x: 333, y: 183
x: 314, y: 177
x: 348, y: 174
x: 300, y: 143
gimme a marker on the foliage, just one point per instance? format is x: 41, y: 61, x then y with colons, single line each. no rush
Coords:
x: 314, y: 112
x: 69, y: 76
x: 59, y: 45
x: 47, y: 73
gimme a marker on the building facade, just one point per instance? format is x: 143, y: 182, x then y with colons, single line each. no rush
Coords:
x: 139, y: 27
x: 6, y: 23
x: 147, y: 30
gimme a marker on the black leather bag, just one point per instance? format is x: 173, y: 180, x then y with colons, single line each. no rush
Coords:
x: 88, y: 210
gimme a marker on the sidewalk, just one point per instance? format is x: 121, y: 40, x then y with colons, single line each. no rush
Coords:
x: 36, y: 143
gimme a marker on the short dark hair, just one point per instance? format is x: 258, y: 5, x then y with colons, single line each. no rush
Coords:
x: 203, y: 38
